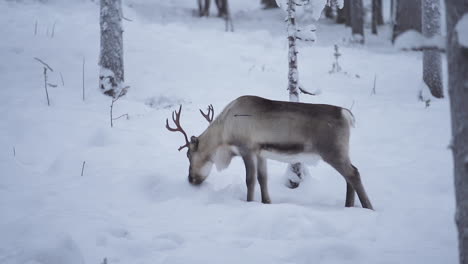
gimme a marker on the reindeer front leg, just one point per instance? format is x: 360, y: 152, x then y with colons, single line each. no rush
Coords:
x: 250, y: 179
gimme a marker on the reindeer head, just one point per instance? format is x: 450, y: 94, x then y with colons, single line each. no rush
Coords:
x: 200, y: 164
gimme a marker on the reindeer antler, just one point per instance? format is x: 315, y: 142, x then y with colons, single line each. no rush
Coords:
x: 209, y: 115
x: 176, y: 119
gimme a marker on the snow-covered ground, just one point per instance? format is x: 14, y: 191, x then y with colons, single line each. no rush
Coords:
x: 133, y: 203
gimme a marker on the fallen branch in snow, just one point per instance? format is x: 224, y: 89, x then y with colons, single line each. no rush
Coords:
x: 304, y: 91
x: 127, y: 19
x: 46, y: 67
x: 43, y: 63
x: 61, y: 78
x: 373, y: 88
x: 122, y: 93
x: 82, y: 167
x: 53, y: 30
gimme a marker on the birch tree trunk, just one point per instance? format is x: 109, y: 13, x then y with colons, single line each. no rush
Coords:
x: 432, y: 59
x: 111, y: 75
x: 357, y: 21
x: 457, y: 57
x: 296, y: 170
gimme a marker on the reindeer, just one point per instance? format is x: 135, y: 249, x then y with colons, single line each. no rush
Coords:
x: 257, y: 129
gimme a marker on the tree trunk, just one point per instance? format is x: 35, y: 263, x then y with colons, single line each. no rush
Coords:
x: 296, y: 169
x: 269, y: 4
x: 357, y: 21
x: 111, y: 75
x: 347, y: 11
x: 380, y: 20
x: 341, y: 13
x: 377, y: 18
x: 408, y: 16
x: 432, y: 59
x: 374, y: 16
x: 457, y: 58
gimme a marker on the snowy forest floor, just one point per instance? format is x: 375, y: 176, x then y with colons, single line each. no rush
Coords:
x: 133, y: 203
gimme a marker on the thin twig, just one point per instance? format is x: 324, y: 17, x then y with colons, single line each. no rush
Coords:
x: 61, y: 77
x: 53, y: 30
x: 45, y: 86
x: 45, y: 64
x: 304, y: 91
x: 127, y: 19
x: 14, y: 151
x: 82, y: 167
x: 373, y: 88
x: 35, y: 28
x: 122, y: 93
x: 351, y: 108
x: 122, y: 116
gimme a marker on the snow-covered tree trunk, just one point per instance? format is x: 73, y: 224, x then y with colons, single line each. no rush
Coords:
x: 111, y: 75
x: 408, y: 16
x: 293, y: 82
x: 432, y: 59
x: 296, y: 171
x: 457, y: 58
x: 357, y: 21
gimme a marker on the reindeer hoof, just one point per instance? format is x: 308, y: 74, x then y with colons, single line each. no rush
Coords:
x: 266, y: 201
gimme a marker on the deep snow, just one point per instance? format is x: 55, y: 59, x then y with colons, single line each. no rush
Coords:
x: 133, y: 203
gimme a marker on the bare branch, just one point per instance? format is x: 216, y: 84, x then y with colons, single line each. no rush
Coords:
x: 304, y: 91
x: 82, y: 167
x: 43, y: 63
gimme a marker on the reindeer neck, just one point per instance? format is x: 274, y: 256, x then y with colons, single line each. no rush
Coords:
x: 211, y: 138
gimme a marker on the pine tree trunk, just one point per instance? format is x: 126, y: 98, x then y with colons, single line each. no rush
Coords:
x: 457, y: 58
x: 357, y: 21
x: 296, y: 169
x: 408, y: 16
x: 341, y: 13
x: 347, y: 11
x: 375, y: 7
x: 380, y: 20
x: 111, y: 75
x: 432, y: 59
